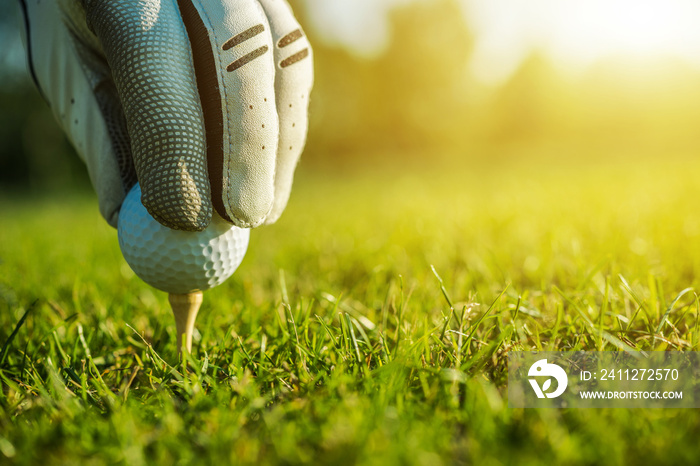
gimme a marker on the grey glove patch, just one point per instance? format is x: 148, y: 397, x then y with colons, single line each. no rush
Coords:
x: 144, y: 48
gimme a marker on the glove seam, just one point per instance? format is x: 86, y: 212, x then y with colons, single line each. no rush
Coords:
x: 30, y: 60
x: 227, y: 157
x: 227, y: 129
x: 276, y: 112
x: 208, y: 24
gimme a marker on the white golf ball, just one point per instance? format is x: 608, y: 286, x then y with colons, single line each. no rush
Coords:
x: 178, y: 262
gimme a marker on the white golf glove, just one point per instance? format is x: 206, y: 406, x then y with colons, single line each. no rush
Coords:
x: 204, y: 101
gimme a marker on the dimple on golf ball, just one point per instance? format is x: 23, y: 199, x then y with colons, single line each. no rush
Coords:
x: 178, y: 262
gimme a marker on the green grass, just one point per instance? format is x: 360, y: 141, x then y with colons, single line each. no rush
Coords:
x: 334, y: 342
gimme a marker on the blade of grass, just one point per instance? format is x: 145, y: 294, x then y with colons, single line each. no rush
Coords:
x: 670, y: 308
x: 12, y: 336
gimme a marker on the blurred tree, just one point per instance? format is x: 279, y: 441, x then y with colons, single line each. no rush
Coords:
x: 529, y: 106
x: 412, y: 98
x: 616, y: 105
x: 426, y: 75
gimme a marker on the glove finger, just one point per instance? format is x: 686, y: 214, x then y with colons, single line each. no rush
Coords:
x: 74, y: 77
x: 231, y: 45
x: 147, y: 48
x: 294, y: 77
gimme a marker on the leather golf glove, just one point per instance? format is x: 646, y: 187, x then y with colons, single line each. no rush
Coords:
x: 204, y: 102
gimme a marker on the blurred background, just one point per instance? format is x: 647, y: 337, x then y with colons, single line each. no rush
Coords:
x: 455, y: 82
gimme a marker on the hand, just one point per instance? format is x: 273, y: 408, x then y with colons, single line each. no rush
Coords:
x: 204, y: 101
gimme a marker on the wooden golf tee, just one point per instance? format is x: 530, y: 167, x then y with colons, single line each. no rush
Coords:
x: 185, y: 308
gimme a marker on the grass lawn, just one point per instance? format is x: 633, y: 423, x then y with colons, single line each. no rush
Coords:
x: 334, y: 343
